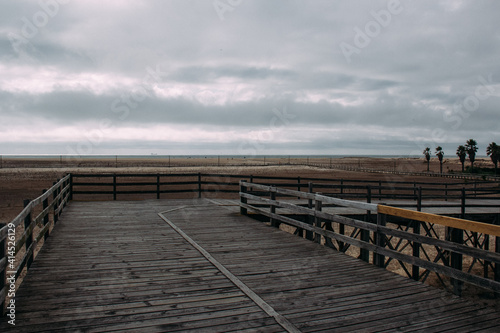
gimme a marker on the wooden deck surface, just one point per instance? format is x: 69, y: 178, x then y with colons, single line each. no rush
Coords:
x: 118, y: 266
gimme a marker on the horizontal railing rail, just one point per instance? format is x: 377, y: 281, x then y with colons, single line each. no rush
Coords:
x: 383, y: 235
x: 118, y: 184
x: 37, y: 224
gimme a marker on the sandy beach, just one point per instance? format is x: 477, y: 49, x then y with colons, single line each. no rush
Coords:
x: 25, y: 178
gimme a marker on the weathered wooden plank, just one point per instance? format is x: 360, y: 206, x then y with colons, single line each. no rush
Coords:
x: 136, y: 274
x: 485, y: 228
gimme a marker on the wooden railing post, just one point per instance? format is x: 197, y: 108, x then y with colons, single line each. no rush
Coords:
x: 61, y: 199
x: 341, y: 188
x: 70, y: 187
x: 157, y: 186
x: 243, y: 189
x: 274, y: 222
x: 318, y: 205
x: 310, y: 219
x: 45, y: 204
x: 114, y: 186
x: 365, y: 234
x: 368, y: 195
x: 55, y: 202
x: 380, y: 190
x: 462, y: 206
x: 199, y: 185
x: 419, y: 199
x: 415, y: 274
x: 457, y: 236
x: 380, y: 240
x: 29, y: 237
x: 445, y: 192
x: 497, y: 250
x: 298, y: 185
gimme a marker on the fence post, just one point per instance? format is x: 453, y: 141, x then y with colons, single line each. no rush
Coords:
x: 462, y: 206
x: 310, y: 188
x: 416, y: 230
x: 3, y: 271
x: 63, y: 186
x: 46, y: 217
x: 298, y: 185
x: 419, y: 199
x: 368, y: 196
x: 380, y: 240
x: 497, y: 266
x: 310, y: 219
x: 457, y: 236
x: 29, y: 238
x: 114, y: 187
x: 274, y: 222
x: 380, y: 190
x: 497, y: 250
x: 157, y: 186
x: 445, y: 192
x: 243, y: 189
x: 341, y: 188
x: 55, y: 202
x: 365, y: 234
x: 70, y: 187
x: 199, y: 185
x: 318, y: 205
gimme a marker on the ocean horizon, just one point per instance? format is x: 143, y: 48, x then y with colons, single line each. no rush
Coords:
x: 155, y: 156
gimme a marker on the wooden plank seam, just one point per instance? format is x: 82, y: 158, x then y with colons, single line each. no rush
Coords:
x: 282, y: 321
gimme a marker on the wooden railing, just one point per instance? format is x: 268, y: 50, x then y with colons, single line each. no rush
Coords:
x: 116, y: 186
x: 434, y: 244
x: 20, y: 247
x: 36, y: 220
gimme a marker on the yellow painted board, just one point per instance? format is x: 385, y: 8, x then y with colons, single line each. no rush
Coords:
x: 480, y: 227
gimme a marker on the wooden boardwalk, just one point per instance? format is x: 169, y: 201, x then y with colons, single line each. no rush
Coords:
x: 120, y: 266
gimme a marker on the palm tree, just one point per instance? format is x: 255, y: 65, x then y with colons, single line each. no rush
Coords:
x: 471, y: 148
x: 493, y: 151
x: 427, y: 154
x: 440, y: 154
x: 462, y: 153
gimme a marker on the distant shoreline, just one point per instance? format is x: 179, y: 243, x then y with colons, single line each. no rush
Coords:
x: 105, y: 156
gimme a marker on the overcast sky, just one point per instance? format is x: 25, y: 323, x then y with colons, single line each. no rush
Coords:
x: 248, y: 77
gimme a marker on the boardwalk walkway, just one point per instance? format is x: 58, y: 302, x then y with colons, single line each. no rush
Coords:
x: 119, y: 266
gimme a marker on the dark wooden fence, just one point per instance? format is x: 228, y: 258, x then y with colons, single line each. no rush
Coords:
x: 37, y: 217
x: 389, y: 234
x: 122, y: 186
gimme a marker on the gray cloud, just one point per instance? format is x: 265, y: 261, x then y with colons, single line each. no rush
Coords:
x: 148, y: 67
